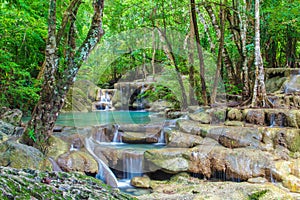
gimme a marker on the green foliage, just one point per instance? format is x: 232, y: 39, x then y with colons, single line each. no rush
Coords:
x: 32, y: 135
x: 23, y: 30
x: 257, y: 195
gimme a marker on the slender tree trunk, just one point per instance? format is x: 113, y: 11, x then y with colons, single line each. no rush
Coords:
x: 169, y: 52
x: 227, y: 60
x: 202, y: 20
x: 190, y: 46
x: 259, y: 97
x: 153, y: 53
x: 243, y: 32
x: 200, y: 53
x: 57, y: 82
x: 219, y: 62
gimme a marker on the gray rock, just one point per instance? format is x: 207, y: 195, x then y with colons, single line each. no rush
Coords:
x: 12, y: 116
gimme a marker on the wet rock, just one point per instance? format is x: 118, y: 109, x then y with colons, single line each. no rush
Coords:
x: 257, y: 180
x: 57, y: 147
x: 235, y: 114
x: 139, y: 138
x: 16, y: 155
x: 12, y: 117
x: 255, y: 116
x: 176, y: 138
x: 140, y: 182
x: 240, y: 163
x: 169, y: 160
x: 149, y: 128
x: 77, y: 161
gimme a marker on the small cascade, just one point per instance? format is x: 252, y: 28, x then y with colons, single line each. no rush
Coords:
x: 117, y: 136
x: 104, y: 101
x: 161, y: 139
x: 132, y: 164
x: 104, y: 173
x: 294, y: 84
x: 100, y: 136
x: 272, y: 120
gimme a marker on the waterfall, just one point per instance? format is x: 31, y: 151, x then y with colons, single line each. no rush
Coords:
x: 294, y: 84
x: 104, y: 173
x: 117, y: 136
x: 132, y: 164
x: 272, y: 120
x: 161, y: 139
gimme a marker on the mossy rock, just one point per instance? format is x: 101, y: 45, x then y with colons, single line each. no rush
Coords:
x: 32, y: 184
x: 16, y: 155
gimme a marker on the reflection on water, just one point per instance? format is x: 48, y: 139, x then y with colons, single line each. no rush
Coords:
x: 103, y: 117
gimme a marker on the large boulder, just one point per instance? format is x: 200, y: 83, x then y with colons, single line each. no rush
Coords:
x: 6, y: 128
x: 170, y: 160
x: 254, y: 116
x: 235, y: 114
x: 236, y: 137
x: 140, y: 182
x: 16, y: 155
x: 139, y: 138
x: 12, y: 117
x: 202, y: 117
x: 192, y: 127
x: 175, y: 138
x: 77, y: 161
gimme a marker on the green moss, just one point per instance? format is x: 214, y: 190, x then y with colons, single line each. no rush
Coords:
x: 257, y: 195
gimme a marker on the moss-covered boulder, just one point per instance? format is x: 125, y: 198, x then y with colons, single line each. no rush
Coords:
x: 12, y: 117
x: 235, y: 114
x: 16, y: 155
x: 32, y: 184
x: 77, y: 100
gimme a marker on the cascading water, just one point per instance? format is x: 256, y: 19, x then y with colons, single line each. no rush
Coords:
x: 104, y: 173
x: 294, y: 84
x: 272, y: 120
x: 117, y: 136
x: 132, y: 164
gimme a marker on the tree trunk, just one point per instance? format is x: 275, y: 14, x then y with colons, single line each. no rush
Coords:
x: 227, y: 60
x: 153, y: 54
x: 202, y: 20
x: 219, y: 61
x: 243, y: 32
x: 169, y: 53
x: 190, y: 46
x: 259, y: 97
x: 200, y: 53
x: 57, y: 82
